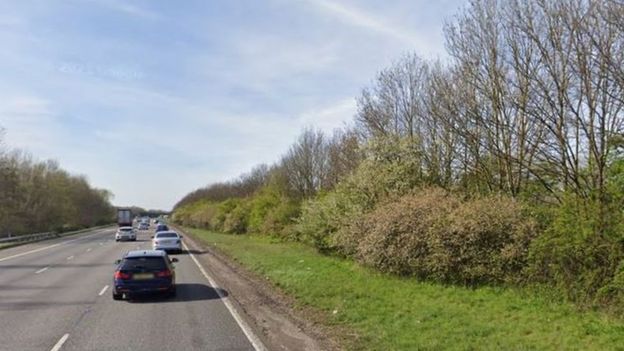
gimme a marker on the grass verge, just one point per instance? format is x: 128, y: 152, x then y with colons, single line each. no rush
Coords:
x: 393, y: 313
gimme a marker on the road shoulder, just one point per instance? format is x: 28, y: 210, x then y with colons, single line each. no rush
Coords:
x: 269, y: 312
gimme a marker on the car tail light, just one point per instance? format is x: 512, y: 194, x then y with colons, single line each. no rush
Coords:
x: 122, y: 275
x: 164, y: 274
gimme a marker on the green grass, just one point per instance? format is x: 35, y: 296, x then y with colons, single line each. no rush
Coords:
x: 393, y: 313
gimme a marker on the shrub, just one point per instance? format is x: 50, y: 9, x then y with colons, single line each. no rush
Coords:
x: 578, y: 254
x: 433, y: 235
x: 319, y: 220
x: 235, y: 216
x: 260, y: 206
x: 222, y: 210
x: 279, y: 218
x: 202, y: 214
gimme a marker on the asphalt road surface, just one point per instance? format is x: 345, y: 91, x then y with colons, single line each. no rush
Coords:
x: 56, y: 295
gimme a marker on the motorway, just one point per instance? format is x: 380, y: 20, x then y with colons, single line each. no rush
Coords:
x: 56, y: 295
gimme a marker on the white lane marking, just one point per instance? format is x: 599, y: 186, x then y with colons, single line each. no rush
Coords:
x: 70, y: 257
x: 103, y: 291
x: 89, y: 249
x: 60, y: 343
x: 47, y: 247
x: 42, y: 270
x: 253, y: 339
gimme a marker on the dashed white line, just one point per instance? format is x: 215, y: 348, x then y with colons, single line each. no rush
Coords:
x: 70, y: 257
x: 60, y: 343
x: 253, y: 339
x: 89, y: 249
x: 103, y: 291
x: 42, y: 270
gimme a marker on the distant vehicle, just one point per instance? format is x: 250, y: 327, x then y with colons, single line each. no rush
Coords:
x: 161, y: 228
x: 124, y: 217
x: 143, y: 226
x: 125, y: 234
x: 143, y: 272
x: 167, y: 241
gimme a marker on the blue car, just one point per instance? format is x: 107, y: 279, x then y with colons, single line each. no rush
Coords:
x: 144, y: 272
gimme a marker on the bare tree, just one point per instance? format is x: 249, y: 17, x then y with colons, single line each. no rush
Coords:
x: 344, y: 155
x: 307, y: 163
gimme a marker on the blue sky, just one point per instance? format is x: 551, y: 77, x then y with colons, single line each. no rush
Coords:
x: 152, y: 99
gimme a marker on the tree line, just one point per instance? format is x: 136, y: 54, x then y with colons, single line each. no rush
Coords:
x: 516, y: 139
x: 39, y: 196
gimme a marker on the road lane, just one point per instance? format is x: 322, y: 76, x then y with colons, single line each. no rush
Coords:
x: 17, y: 263
x: 195, y: 319
x: 37, y: 310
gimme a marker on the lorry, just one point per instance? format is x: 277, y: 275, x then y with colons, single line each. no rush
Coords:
x: 124, y: 217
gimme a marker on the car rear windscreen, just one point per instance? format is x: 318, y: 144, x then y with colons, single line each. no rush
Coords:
x: 143, y: 263
x: 167, y: 235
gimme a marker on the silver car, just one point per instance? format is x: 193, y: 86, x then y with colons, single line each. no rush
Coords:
x: 168, y: 241
x: 125, y: 233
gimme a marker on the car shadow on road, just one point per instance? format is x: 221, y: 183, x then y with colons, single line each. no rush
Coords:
x: 194, y: 252
x: 184, y: 292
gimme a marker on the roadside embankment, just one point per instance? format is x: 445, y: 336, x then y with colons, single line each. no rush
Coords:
x: 368, y: 310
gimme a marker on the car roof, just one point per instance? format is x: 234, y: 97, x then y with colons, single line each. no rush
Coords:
x: 145, y: 253
x: 166, y: 232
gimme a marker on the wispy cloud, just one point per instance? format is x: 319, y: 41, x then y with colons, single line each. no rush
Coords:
x: 356, y: 17
x: 129, y: 9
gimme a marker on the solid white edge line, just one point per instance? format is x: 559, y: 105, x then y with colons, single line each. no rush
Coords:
x: 42, y: 270
x: 253, y: 339
x: 103, y: 291
x: 46, y: 247
x: 60, y: 343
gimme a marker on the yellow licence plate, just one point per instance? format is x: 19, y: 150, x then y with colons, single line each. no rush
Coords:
x: 142, y: 276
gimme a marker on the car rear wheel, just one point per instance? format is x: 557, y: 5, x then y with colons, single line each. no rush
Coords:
x: 117, y: 296
x: 172, y: 292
